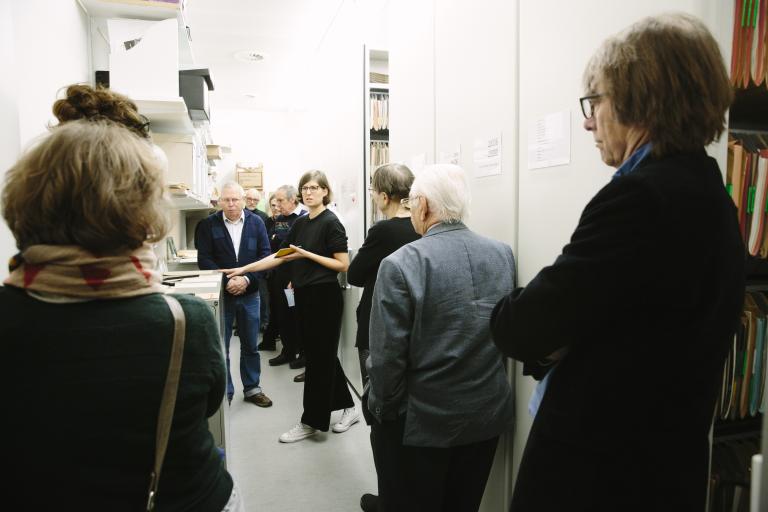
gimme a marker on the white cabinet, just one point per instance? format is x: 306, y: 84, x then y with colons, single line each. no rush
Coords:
x: 206, y: 284
x: 101, y: 10
x: 187, y: 174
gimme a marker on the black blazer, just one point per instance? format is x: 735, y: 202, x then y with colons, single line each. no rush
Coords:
x: 215, y: 249
x: 646, y: 297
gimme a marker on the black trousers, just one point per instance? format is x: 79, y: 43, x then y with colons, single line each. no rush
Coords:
x: 283, y: 318
x: 426, y: 479
x: 264, y: 302
x: 325, y: 386
x: 271, y: 332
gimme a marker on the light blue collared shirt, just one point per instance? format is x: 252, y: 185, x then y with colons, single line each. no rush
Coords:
x: 634, y: 160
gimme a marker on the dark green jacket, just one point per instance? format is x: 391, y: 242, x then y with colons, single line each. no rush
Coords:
x: 82, y: 385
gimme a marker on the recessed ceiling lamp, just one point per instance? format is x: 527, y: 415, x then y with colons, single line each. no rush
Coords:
x: 249, y: 56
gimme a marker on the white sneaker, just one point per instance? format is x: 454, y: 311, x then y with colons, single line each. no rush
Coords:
x: 348, y: 418
x: 297, y: 433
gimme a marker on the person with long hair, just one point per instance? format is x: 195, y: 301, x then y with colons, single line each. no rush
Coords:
x: 319, y: 244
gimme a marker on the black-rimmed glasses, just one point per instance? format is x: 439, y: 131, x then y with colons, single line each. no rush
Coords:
x: 588, y: 105
x: 408, y: 202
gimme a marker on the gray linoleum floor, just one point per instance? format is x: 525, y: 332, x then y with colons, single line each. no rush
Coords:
x: 327, y: 472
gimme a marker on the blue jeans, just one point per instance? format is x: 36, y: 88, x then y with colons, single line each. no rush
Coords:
x: 246, y: 309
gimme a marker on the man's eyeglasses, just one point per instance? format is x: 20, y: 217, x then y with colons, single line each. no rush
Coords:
x: 409, y: 202
x: 310, y: 188
x: 588, y: 105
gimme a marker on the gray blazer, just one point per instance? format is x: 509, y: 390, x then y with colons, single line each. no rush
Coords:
x: 432, y: 356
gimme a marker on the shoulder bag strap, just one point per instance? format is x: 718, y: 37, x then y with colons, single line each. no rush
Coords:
x: 168, y: 401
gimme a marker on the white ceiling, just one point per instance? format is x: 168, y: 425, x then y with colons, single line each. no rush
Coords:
x: 287, y: 32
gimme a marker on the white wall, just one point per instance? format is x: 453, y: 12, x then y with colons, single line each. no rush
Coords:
x: 43, y: 47
x: 9, y: 118
x: 256, y: 136
x: 52, y: 51
x: 412, y: 81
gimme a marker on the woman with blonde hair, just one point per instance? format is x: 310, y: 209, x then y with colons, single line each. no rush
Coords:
x: 87, y: 334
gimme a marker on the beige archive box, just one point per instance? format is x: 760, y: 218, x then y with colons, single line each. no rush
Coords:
x: 248, y: 179
x: 250, y: 176
x: 180, y: 151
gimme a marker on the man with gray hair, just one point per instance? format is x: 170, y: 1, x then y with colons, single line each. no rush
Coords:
x: 438, y: 388
x: 231, y: 238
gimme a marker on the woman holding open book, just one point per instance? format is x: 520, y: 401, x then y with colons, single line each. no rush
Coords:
x: 316, y: 248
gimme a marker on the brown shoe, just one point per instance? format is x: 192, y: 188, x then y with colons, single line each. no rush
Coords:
x: 259, y: 399
x: 299, y: 377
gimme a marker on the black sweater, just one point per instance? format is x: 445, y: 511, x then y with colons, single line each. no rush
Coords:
x: 383, y: 239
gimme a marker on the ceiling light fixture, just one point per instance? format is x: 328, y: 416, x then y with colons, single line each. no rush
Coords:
x: 249, y: 56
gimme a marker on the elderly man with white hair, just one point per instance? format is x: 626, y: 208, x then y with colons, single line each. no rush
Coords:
x: 438, y: 387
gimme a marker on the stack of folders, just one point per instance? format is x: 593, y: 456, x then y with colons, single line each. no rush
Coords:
x: 379, y: 111
x: 742, y: 393
x: 379, y: 153
x: 747, y: 182
x: 379, y: 78
x: 749, y: 60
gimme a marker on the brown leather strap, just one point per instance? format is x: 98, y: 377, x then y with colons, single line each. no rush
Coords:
x: 168, y: 402
x: 758, y: 73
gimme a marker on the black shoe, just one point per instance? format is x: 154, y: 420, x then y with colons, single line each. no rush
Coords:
x: 281, y: 359
x: 298, y: 363
x: 369, y: 503
x: 300, y: 377
x: 267, y: 346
